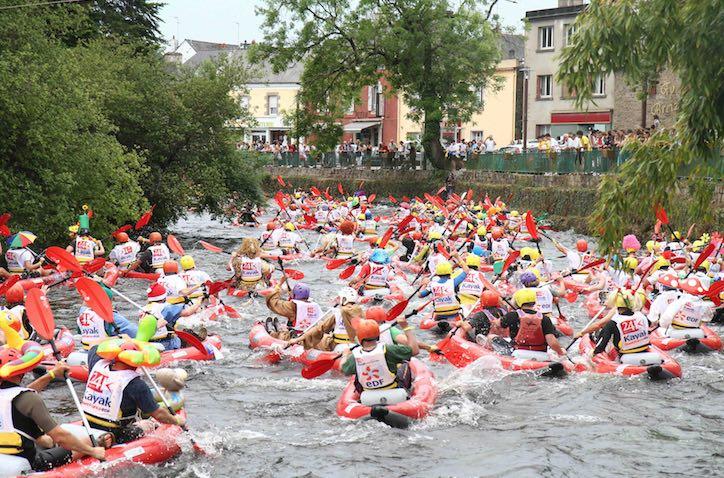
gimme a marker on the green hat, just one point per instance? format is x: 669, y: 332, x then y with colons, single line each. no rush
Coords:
x: 83, y: 221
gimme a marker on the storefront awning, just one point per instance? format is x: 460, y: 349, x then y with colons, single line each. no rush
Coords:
x: 357, y: 126
x: 581, y: 118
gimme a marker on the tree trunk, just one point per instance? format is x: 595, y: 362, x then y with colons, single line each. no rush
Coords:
x: 431, y: 143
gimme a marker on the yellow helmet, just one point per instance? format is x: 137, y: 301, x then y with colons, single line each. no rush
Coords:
x: 361, y: 216
x: 443, y: 268
x: 481, y: 231
x: 630, y: 263
x: 625, y: 299
x: 705, y: 265
x: 697, y: 246
x: 676, y: 235
x: 297, y: 195
x: 187, y: 262
x: 289, y: 226
x: 480, y: 215
x: 531, y: 253
x: 434, y: 235
x: 472, y: 260
x: 73, y: 229
x: 478, y: 207
x: 514, y: 214
x: 661, y: 263
x: 524, y: 296
x: 534, y: 271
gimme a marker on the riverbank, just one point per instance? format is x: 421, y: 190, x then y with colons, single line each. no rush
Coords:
x: 568, y: 199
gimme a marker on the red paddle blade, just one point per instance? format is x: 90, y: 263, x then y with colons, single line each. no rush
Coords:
x: 192, y: 340
x: 213, y: 288
x: 294, y: 274
x: 63, y: 259
x: 210, y: 247
x: 441, y: 249
x: 595, y: 263
x: 315, y: 191
x: 327, y: 195
x: 340, y: 189
x: 95, y: 265
x: 175, y: 245
x: 145, y: 219
x: 4, y: 218
x: 661, y: 215
x: 489, y: 285
x: 121, y: 229
x: 280, y: 200
x: 372, y: 198
x: 95, y: 297
x: 704, y: 254
x: 397, y: 309
x: 310, y: 219
x: 509, y: 260
x: 39, y: 313
x: 386, y: 237
x: 231, y: 312
x: 318, y: 368
x: 335, y: 263
x: 572, y: 296
x: 281, y: 181
x: 9, y: 282
x: 714, y: 292
x: 392, y: 199
x: 347, y: 273
x: 530, y: 224
x: 407, y: 220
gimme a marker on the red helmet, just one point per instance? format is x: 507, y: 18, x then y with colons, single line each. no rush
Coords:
x: 581, y: 245
x: 417, y: 235
x: 489, y: 298
x: 271, y: 225
x: 122, y: 237
x: 367, y: 329
x: 377, y: 314
x: 155, y: 237
x: 497, y: 232
x: 170, y: 267
x: 15, y: 294
x: 347, y: 227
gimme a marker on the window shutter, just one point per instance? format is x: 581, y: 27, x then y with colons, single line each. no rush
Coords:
x: 537, y: 86
x: 370, y: 98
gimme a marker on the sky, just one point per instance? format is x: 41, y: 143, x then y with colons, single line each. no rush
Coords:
x: 233, y: 21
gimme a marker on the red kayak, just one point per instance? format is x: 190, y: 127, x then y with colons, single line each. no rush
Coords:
x: 702, y: 339
x: 36, y: 282
x: 64, y: 342
x: 656, y: 363
x: 259, y: 338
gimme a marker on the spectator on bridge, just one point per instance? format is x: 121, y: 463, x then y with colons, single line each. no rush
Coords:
x: 489, y: 144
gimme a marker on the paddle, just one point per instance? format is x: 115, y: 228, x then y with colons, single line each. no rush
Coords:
x: 664, y: 218
x: 386, y: 237
x: 294, y: 274
x: 336, y: 263
x: 9, y: 282
x: 702, y: 257
x: 590, y: 265
x: 400, y: 307
x: 175, y: 245
x: 508, y: 261
x: 42, y: 320
x: 371, y: 199
x: 347, y: 272
x: 96, y: 298
x: 584, y: 328
x: 392, y: 199
x: 281, y: 181
x: 144, y: 219
x: 530, y: 224
x: 212, y: 248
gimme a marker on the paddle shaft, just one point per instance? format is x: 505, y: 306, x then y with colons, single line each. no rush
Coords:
x: 595, y: 317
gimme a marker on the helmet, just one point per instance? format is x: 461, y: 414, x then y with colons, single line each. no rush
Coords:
x: 367, y: 330
x: 581, y: 245
x: 472, y: 260
x: 439, y: 219
x: 481, y: 231
x: 443, y: 268
x: 300, y: 291
x: 15, y: 294
x: 524, y: 296
x: 662, y: 263
x: 528, y: 278
x: 361, y: 216
x: 434, y: 235
x: 625, y: 300
x: 630, y: 243
x: 417, y: 235
x: 489, y: 298
x: 630, y: 263
x: 347, y: 295
x: 697, y: 246
x: 380, y: 256
x: 73, y: 229
x: 297, y: 194
x: 347, y: 227
x: 84, y: 231
x: 156, y: 293
x: 289, y: 226
x: 368, y: 215
x: 676, y: 235
x: 122, y: 238
x: 497, y: 232
x: 377, y: 314
x: 478, y: 251
x: 155, y: 237
x: 170, y: 267
x: 271, y: 225
x: 514, y: 214
x: 706, y: 265
x: 187, y: 262
x: 529, y: 253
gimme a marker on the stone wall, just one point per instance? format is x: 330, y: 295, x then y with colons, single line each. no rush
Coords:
x: 662, y: 102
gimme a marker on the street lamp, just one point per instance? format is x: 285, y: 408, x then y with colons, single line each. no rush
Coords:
x: 526, y: 76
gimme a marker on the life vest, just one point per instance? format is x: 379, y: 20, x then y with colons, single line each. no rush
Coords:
x: 156, y: 309
x: 174, y: 285
x: 372, y: 370
x: 321, y: 216
x: 13, y: 441
x: 125, y: 254
x: 251, y: 270
x: 340, y: 331
x: 159, y: 255
x: 433, y: 261
x: 16, y: 259
x: 92, y: 327
x: 494, y: 329
x: 370, y: 226
x: 345, y: 245
x: 480, y: 241
x: 470, y: 289
x: 544, y: 300
x: 689, y: 315
x: 84, y: 249
x: 530, y: 332
x: 633, y: 332
x: 445, y: 302
x: 267, y: 242
x: 307, y: 314
x: 378, y: 276
x: 499, y: 248
x: 104, y: 393
x: 194, y: 277
x: 287, y: 240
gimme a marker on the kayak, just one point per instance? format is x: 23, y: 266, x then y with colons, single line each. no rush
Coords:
x: 259, y: 338
x: 460, y: 352
x: 149, y: 276
x: 656, y: 363
x: 592, y: 305
x: 49, y: 280
x: 417, y: 406
x: 702, y: 339
x: 64, y: 342
x: 156, y: 447
x: 562, y: 325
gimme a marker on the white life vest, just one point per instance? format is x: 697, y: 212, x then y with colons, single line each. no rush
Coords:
x: 156, y: 309
x: 267, y: 242
x: 16, y: 259
x: 321, y: 216
x: 689, y: 312
x: 378, y: 276
x: 7, y: 426
x: 543, y: 300
x: 445, y: 302
x: 372, y: 370
x: 84, y: 249
x: 124, y: 254
x: 174, y: 284
x: 307, y: 314
x: 159, y: 255
x: 661, y: 303
x: 345, y: 245
x: 471, y: 288
x: 104, y: 393
x: 432, y: 263
x: 287, y: 239
x: 195, y: 277
x: 92, y: 327
x: 340, y: 331
x: 500, y: 248
x: 480, y: 241
x: 634, y: 332
x: 251, y: 270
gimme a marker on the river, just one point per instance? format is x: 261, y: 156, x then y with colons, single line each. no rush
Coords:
x: 256, y: 420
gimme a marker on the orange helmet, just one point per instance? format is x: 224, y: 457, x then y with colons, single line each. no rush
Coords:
x: 417, y: 235
x: 367, y: 330
x: 15, y: 294
x: 347, y: 227
x: 497, y: 232
x: 271, y: 225
x: 489, y: 298
x: 377, y: 314
x: 582, y: 245
x: 170, y: 267
x: 155, y: 237
x: 122, y: 237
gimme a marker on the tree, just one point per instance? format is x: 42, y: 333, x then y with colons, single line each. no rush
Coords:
x: 640, y: 38
x: 437, y: 56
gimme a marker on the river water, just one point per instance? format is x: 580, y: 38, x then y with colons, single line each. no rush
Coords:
x: 256, y: 420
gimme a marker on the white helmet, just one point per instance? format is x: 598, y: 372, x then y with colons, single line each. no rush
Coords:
x: 347, y: 295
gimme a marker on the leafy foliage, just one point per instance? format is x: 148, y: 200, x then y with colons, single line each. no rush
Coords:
x: 641, y: 38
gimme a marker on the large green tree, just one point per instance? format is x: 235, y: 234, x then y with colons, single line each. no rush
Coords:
x: 641, y: 38
x: 437, y: 53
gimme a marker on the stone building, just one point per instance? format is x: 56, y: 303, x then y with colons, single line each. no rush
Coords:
x: 662, y: 100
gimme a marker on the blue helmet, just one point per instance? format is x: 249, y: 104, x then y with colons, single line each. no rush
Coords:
x: 528, y: 279
x: 300, y: 291
x: 368, y: 215
x: 380, y: 256
x: 478, y: 251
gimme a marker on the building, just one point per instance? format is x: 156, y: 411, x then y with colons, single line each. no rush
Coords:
x: 662, y: 101
x: 375, y: 118
x: 202, y: 49
x: 550, y: 107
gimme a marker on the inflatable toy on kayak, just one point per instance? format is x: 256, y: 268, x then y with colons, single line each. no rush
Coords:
x: 378, y: 404
x: 695, y: 340
x: 656, y: 363
x: 259, y: 338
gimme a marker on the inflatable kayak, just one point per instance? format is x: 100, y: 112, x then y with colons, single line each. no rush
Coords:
x: 149, y: 276
x: 259, y: 338
x: 460, y: 352
x: 421, y: 398
x: 656, y: 363
x: 49, y: 280
x: 699, y: 340
x: 64, y: 342
x: 159, y: 446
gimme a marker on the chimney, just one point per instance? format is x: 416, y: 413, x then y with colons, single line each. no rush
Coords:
x: 172, y: 57
x: 569, y: 3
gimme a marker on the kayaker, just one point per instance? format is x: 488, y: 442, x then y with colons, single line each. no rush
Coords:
x: 125, y: 251
x: 299, y: 310
x: 376, y: 274
x: 486, y: 321
x: 27, y: 430
x: 15, y: 301
x: 176, y: 289
x: 545, y: 295
x: 499, y: 245
x: 472, y: 286
x: 85, y: 248
x: 193, y: 277
x: 684, y: 316
x: 578, y: 258
x: 93, y: 329
x: 21, y: 260
x: 444, y: 289
x: 343, y: 244
x: 268, y: 241
x: 628, y: 330
x: 532, y: 332
x: 152, y: 259
x: 166, y: 315
x: 288, y: 240
x: 248, y: 266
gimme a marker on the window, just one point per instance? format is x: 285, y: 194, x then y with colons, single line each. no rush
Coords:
x: 568, y: 93
x: 545, y: 38
x: 477, y: 136
x: 379, y: 100
x: 272, y: 105
x: 244, y: 101
x: 569, y: 29
x: 481, y: 95
x: 544, y: 86
x: 371, y: 96
x: 541, y: 129
x: 599, y: 86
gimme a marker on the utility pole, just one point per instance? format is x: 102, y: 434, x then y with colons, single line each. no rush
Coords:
x: 526, y: 75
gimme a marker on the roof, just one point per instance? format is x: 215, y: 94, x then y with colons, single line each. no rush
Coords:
x: 555, y: 12
x: 199, y: 45
x: 512, y: 46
